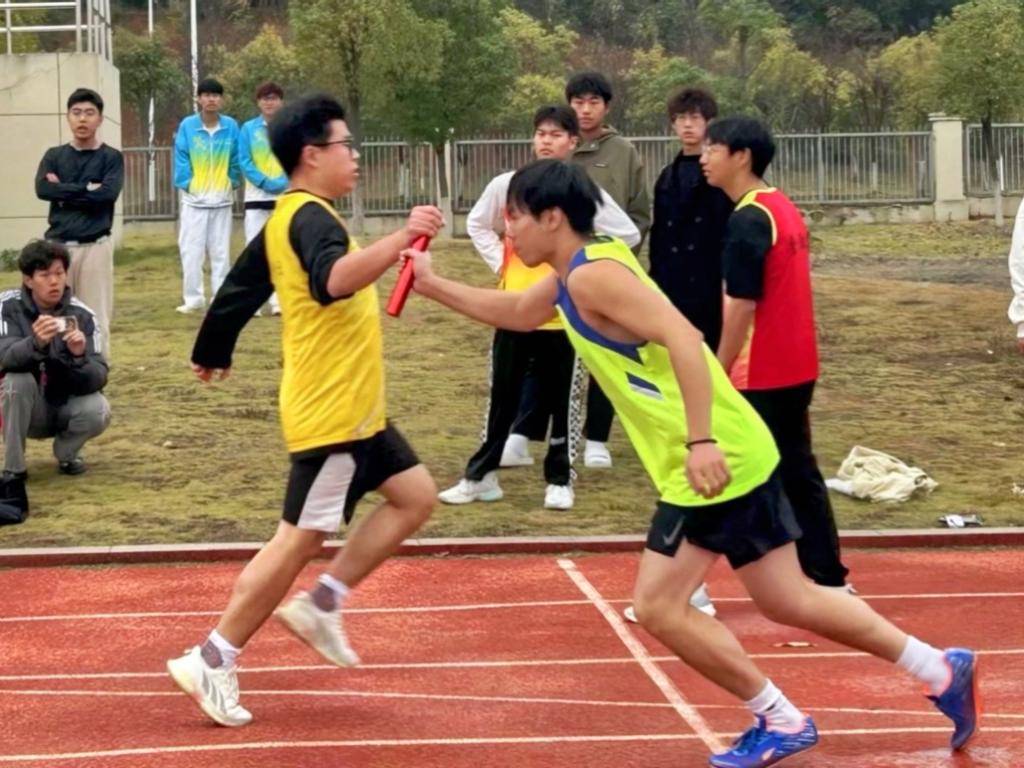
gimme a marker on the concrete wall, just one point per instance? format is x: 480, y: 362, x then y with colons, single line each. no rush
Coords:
x: 34, y: 89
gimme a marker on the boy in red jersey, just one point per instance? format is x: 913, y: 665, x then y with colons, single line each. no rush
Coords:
x: 768, y: 344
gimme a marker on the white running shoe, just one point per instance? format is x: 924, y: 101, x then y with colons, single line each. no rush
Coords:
x: 188, y: 309
x: 320, y: 630
x: 516, y: 452
x: 214, y: 690
x: 596, y: 455
x: 559, y: 497
x: 699, y: 600
x: 468, y: 491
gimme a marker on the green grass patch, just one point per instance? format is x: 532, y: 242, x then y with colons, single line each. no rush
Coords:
x: 922, y: 368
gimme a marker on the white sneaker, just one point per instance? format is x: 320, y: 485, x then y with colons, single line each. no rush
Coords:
x: 559, y: 497
x: 320, y: 630
x: 596, y: 455
x: 214, y: 690
x: 699, y: 600
x: 516, y: 452
x: 468, y: 491
x: 188, y: 309
x: 275, y: 310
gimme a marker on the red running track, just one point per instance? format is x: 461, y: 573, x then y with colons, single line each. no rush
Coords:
x: 505, y: 661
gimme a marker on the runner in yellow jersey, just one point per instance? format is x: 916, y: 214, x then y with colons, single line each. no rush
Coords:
x: 333, y: 413
x: 707, y: 451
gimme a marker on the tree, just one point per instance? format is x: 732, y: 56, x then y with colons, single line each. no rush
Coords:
x: 652, y: 78
x: 539, y: 61
x: 980, y: 58
x: 149, y: 71
x: 740, y: 22
x: 472, y: 84
x: 265, y: 57
x: 365, y: 49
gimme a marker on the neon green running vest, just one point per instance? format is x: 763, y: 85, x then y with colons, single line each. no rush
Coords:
x: 641, y: 384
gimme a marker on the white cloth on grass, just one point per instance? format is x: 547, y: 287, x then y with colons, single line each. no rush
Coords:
x: 877, y: 476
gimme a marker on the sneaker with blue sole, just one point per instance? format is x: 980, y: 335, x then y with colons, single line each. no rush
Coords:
x: 759, y: 747
x: 960, y: 702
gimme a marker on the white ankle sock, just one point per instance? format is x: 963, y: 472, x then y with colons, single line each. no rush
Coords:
x: 927, y: 664
x: 778, y: 712
x: 338, y: 588
x: 228, y: 652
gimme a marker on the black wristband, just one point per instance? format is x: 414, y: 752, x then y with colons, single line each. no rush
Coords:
x: 692, y: 443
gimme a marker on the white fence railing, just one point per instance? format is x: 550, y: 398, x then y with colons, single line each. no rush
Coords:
x: 854, y: 168
x: 1008, y: 141
x: 88, y: 20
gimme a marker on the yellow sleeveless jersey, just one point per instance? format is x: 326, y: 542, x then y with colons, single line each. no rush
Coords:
x: 517, y: 278
x: 332, y: 386
x: 640, y: 382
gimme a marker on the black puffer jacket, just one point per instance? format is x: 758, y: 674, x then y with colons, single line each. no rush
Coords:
x: 65, y: 375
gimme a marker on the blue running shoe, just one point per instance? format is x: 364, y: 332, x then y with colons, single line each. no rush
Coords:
x: 759, y: 747
x: 960, y: 702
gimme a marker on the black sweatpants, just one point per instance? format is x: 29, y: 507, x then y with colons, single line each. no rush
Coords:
x: 599, y: 414
x: 558, y: 381
x: 786, y: 412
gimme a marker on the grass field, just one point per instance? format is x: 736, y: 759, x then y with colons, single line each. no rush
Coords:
x: 918, y: 360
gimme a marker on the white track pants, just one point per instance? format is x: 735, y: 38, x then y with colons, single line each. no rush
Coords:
x: 255, y: 219
x: 203, y: 231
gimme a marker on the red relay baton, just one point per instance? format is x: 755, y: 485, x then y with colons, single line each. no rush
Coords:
x: 405, y: 278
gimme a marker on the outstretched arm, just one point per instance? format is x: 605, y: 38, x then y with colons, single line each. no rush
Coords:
x: 524, y: 311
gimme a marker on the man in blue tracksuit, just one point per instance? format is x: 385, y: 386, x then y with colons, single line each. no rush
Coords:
x: 265, y: 180
x: 206, y: 172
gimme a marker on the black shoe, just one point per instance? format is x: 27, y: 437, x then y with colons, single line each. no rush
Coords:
x: 8, y: 475
x: 74, y: 467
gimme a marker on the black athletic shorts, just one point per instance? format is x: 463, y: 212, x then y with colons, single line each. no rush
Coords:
x: 325, y: 484
x: 744, y: 529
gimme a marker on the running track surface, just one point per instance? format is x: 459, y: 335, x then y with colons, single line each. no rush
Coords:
x: 504, y: 661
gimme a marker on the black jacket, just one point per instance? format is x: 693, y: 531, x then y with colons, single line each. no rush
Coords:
x: 78, y: 214
x: 686, y: 243
x: 66, y: 375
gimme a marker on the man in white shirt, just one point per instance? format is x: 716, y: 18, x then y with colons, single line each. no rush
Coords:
x: 1016, y: 311
x: 546, y: 351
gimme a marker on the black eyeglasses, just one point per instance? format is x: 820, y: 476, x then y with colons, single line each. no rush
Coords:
x: 347, y: 142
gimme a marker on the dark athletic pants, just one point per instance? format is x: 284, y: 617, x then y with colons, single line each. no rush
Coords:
x: 555, y: 366
x: 599, y: 414
x: 786, y: 412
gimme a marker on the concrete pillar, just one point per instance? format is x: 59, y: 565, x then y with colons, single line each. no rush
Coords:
x: 34, y: 89
x: 948, y: 162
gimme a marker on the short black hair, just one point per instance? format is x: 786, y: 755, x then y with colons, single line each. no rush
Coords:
x: 40, y: 254
x: 560, y: 115
x: 269, y: 89
x: 209, y: 85
x: 739, y: 133
x: 688, y: 100
x: 83, y: 95
x: 301, y: 122
x: 546, y: 184
x: 584, y: 83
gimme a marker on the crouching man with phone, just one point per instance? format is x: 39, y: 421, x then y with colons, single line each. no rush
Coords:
x: 52, y: 371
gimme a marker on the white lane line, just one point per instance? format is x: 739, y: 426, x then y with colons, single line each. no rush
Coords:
x: 512, y: 741
x: 795, y: 655
x: 328, y: 693
x: 639, y: 652
x: 471, y: 607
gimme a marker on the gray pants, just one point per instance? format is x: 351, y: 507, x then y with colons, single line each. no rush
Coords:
x: 27, y: 414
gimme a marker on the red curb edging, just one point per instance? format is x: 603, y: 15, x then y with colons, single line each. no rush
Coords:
x: 181, y: 553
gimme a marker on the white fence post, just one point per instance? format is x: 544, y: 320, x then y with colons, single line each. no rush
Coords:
x: 948, y: 162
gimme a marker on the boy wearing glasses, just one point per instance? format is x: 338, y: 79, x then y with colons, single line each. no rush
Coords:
x: 81, y: 180
x: 333, y: 413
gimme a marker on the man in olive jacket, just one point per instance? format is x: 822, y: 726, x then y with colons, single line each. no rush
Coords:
x: 615, y: 166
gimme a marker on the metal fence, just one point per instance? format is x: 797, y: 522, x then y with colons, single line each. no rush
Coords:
x: 88, y: 20
x: 1008, y: 140
x: 854, y: 168
x: 394, y: 177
